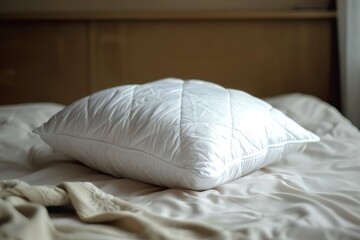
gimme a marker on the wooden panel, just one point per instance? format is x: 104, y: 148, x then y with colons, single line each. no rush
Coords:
x: 263, y: 57
x: 155, y: 5
x: 171, y: 15
x: 42, y: 61
x: 62, y: 57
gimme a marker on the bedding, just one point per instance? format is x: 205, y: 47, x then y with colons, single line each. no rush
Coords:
x: 313, y: 194
x: 188, y: 134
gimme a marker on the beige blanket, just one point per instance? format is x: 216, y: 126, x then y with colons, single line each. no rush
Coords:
x: 23, y: 215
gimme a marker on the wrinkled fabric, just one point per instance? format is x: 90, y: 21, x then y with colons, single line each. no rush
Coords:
x: 314, y: 194
x: 23, y: 215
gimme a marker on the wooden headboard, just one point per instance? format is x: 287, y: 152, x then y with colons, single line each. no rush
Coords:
x: 62, y: 57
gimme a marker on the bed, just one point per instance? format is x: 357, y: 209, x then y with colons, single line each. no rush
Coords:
x: 311, y: 193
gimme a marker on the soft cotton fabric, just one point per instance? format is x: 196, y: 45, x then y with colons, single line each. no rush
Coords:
x: 312, y: 194
x: 189, y: 134
x: 24, y: 217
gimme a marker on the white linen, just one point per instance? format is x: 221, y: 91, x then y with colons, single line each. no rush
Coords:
x: 310, y: 195
x: 189, y: 134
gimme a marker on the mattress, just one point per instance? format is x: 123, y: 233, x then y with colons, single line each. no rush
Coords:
x: 313, y: 194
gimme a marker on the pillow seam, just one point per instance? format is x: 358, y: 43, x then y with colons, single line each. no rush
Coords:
x: 156, y: 157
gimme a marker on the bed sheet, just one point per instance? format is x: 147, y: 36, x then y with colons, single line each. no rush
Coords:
x: 314, y: 194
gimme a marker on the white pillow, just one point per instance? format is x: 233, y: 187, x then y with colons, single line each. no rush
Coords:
x: 188, y: 134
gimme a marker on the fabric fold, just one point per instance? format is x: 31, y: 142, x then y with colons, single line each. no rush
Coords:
x: 23, y: 214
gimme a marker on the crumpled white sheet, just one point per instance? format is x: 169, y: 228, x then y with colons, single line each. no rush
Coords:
x: 310, y: 195
x: 23, y: 215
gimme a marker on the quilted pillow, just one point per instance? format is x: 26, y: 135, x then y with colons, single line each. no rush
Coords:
x: 188, y: 134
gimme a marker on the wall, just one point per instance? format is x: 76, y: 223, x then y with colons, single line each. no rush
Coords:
x: 349, y: 39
